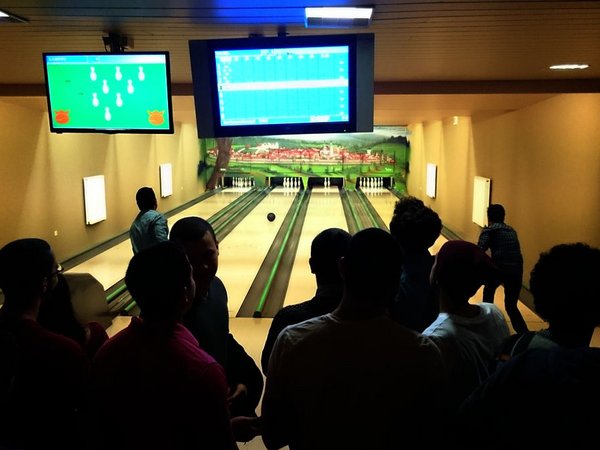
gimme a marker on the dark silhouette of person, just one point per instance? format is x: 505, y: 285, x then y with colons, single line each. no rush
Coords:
x: 563, y: 286
x: 181, y: 391
x: 208, y: 319
x: 46, y: 390
x: 354, y: 378
x: 503, y: 243
x: 325, y: 251
x: 58, y: 315
x: 546, y: 394
x: 416, y: 228
x: 150, y: 226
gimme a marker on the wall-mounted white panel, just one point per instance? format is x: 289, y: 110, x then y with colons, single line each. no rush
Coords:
x: 166, y: 180
x: 431, y: 186
x: 481, y: 200
x: 95, y: 199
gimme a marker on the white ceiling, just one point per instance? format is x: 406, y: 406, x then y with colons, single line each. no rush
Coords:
x: 433, y: 59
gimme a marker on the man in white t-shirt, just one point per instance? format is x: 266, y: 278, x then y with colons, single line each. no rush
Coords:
x: 469, y: 335
x: 354, y: 378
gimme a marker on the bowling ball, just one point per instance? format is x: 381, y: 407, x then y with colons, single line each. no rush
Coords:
x: 270, y: 217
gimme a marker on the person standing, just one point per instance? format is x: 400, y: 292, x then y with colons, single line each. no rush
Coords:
x: 149, y: 227
x: 208, y: 318
x: 354, y: 378
x: 325, y: 252
x: 44, y: 374
x: 503, y: 243
x: 416, y: 227
x: 180, y: 398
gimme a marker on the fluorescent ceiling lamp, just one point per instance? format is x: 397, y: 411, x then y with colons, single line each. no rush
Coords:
x: 339, y: 13
x: 326, y: 17
x: 569, y: 66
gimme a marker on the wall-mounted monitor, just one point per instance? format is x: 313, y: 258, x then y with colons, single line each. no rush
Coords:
x: 109, y: 92
x: 262, y: 86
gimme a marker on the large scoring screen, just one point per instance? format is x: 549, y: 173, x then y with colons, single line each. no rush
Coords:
x: 283, y: 85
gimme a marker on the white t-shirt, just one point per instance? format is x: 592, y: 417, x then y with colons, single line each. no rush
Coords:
x: 352, y: 384
x: 469, y: 345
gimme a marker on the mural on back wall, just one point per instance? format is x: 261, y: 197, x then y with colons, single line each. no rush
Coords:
x: 381, y: 153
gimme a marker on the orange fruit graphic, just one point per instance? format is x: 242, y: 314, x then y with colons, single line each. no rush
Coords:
x: 156, y: 117
x: 61, y: 116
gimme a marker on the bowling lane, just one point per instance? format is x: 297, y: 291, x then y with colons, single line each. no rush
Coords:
x: 109, y: 266
x: 324, y: 211
x: 211, y: 205
x: 243, y: 251
x: 383, y: 201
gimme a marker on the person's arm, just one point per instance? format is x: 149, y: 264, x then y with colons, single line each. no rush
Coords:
x: 484, y: 239
x: 244, y: 377
x: 211, y: 398
x: 274, y: 330
x: 161, y: 229
x: 275, y: 417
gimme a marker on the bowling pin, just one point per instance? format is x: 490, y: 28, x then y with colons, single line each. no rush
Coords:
x: 93, y: 75
x: 95, y: 100
x: 118, y: 74
x: 130, y: 88
x: 141, y: 74
x: 105, y: 87
x: 119, y: 100
x: 107, y: 115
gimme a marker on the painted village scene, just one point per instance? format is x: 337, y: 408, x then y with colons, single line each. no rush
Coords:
x: 381, y: 154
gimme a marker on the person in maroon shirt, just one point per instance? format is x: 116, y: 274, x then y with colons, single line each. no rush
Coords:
x: 44, y: 394
x: 179, y: 392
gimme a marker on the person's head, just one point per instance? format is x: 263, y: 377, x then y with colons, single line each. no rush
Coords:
x: 199, y: 241
x: 326, y: 250
x: 495, y: 213
x: 371, y: 267
x: 160, y: 280
x: 460, y: 269
x: 27, y: 270
x: 146, y: 198
x: 414, y: 225
x: 565, y: 287
x: 57, y: 313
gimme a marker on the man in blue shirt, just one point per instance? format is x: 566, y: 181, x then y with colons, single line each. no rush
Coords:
x: 149, y: 227
x: 503, y: 243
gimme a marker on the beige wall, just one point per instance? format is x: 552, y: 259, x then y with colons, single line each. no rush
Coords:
x: 544, y: 163
x: 41, y: 175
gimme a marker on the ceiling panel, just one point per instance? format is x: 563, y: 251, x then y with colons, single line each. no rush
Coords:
x: 419, y: 44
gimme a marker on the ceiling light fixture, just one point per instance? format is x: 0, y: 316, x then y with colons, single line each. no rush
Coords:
x: 325, y: 17
x: 569, y: 66
x: 5, y: 16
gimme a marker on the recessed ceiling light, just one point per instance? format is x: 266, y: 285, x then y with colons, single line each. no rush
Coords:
x: 569, y: 66
x: 325, y: 17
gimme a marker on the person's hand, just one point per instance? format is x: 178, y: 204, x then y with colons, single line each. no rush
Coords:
x: 245, y: 428
x: 236, y: 392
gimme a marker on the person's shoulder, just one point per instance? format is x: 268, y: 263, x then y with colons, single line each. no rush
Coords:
x: 489, y: 308
x: 305, y: 329
x: 217, y: 283
x: 62, y: 349
x: 292, y: 314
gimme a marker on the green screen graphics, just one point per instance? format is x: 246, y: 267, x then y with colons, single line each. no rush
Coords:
x: 112, y: 92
